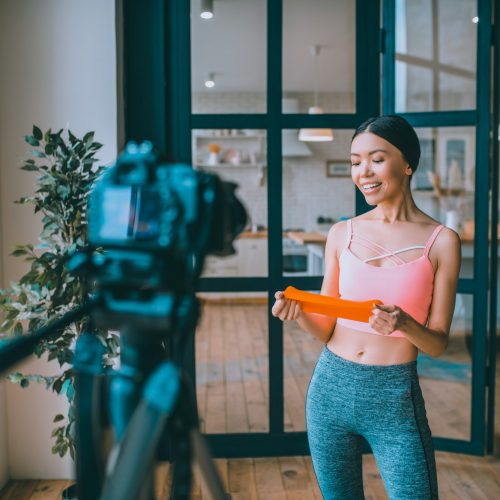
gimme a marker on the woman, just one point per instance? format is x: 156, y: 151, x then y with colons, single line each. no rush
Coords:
x: 365, y: 383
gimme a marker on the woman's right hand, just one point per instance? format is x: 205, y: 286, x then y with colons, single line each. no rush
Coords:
x: 285, y: 309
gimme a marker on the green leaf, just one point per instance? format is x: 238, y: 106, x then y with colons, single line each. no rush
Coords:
x: 37, y: 133
x: 15, y: 377
x: 72, y: 138
x: 24, y: 383
x: 57, y: 385
x: 30, y: 167
x: 18, y: 252
x: 58, y: 418
x: 31, y: 140
x: 89, y: 136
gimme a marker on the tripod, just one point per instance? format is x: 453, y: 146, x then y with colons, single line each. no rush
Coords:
x: 150, y: 225
x: 150, y: 398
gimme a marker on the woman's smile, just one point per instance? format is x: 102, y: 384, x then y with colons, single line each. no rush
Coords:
x: 371, y: 187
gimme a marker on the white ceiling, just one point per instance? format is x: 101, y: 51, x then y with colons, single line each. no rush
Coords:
x: 233, y: 45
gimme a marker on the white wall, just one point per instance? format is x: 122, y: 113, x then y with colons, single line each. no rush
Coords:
x: 58, y: 67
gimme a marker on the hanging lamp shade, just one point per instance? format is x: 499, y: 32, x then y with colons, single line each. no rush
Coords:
x: 207, y: 9
x: 315, y: 134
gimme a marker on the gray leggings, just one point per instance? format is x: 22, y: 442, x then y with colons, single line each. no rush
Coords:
x: 348, y: 401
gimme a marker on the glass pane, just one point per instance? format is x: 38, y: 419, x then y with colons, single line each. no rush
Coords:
x: 317, y: 185
x: 446, y: 381
x: 238, y: 156
x: 232, y: 355
x: 413, y: 88
x: 229, y: 50
x: 420, y: 13
x: 457, y: 92
x: 435, y: 55
x: 443, y: 185
x: 325, y: 77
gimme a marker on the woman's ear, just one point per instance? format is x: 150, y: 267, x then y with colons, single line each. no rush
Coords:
x: 408, y: 170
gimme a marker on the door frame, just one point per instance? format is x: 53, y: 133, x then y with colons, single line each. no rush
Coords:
x: 157, y: 106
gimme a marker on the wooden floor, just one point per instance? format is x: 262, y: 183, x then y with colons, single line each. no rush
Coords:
x: 232, y: 391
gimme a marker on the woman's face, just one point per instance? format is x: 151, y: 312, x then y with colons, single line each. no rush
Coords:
x: 378, y: 168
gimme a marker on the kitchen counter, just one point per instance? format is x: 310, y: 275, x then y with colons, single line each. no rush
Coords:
x: 307, y: 238
x: 301, y: 237
x: 253, y: 234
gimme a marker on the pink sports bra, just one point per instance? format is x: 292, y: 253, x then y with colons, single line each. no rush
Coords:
x: 408, y: 285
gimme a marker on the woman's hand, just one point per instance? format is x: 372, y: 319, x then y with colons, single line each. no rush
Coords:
x: 387, y: 318
x: 285, y: 309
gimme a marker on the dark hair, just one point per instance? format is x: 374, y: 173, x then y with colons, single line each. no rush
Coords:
x: 396, y: 130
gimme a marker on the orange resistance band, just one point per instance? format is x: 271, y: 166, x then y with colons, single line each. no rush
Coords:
x: 332, y: 306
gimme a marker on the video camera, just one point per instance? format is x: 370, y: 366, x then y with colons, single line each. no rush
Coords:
x: 150, y: 225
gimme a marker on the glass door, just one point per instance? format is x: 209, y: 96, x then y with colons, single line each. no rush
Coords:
x: 230, y: 94
x: 436, y: 73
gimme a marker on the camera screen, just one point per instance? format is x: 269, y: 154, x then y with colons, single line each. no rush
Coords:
x: 129, y: 213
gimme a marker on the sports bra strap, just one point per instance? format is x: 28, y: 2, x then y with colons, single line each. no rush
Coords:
x: 349, y: 232
x: 431, y: 239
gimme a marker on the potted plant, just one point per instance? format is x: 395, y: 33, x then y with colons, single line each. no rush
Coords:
x: 66, y: 168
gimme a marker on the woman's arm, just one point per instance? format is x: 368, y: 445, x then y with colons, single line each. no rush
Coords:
x: 432, y: 339
x: 318, y: 325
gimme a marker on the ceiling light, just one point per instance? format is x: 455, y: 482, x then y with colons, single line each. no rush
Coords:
x: 475, y: 19
x: 207, y: 9
x: 315, y: 134
x: 210, y: 81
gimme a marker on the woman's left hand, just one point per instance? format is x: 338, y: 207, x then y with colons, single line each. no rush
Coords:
x: 387, y: 318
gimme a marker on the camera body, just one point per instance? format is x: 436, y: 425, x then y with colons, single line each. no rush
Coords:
x: 160, y: 217
x: 150, y: 225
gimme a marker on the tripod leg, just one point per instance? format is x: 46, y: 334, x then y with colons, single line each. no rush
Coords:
x: 137, y: 453
x: 206, y: 465
x: 89, y: 439
x: 189, y: 447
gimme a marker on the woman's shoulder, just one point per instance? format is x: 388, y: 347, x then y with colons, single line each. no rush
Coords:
x: 337, y: 231
x: 446, y: 235
x: 337, y: 238
x: 447, y: 238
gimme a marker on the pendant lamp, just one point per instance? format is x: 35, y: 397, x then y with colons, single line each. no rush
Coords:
x: 207, y: 9
x: 315, y: 134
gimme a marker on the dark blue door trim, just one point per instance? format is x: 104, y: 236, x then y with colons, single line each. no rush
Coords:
x: 157, y: 95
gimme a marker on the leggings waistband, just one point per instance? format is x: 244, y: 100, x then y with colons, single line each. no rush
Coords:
x: 382, y: 374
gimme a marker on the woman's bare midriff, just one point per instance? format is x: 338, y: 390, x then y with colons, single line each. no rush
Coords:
x: 370, y: 349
